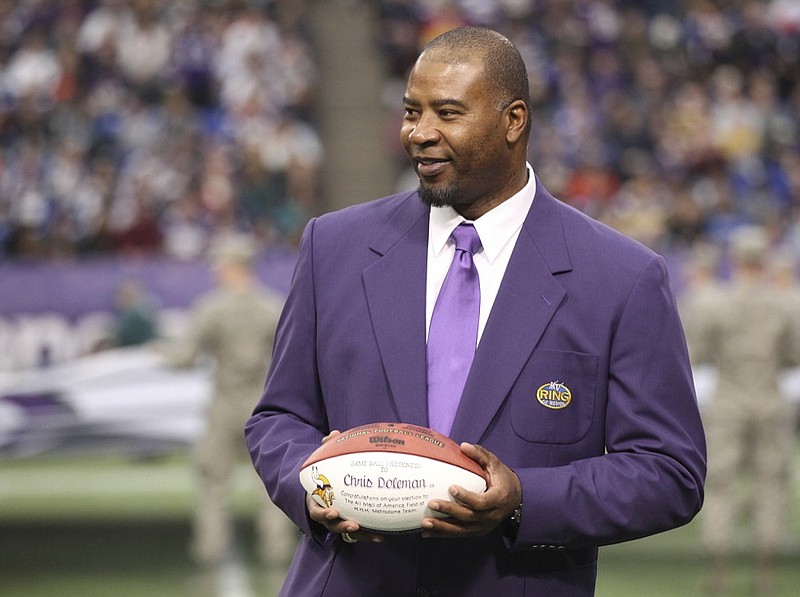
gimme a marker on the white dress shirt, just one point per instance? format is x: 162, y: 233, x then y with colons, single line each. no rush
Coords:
x: 498, y: 230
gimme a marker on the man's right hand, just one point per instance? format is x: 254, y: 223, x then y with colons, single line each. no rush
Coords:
x: 330, y: 519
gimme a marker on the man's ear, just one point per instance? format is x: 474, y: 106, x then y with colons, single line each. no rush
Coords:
x: 518, y: 115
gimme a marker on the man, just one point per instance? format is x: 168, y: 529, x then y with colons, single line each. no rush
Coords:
x: 137, y: 317
x: 702, y: 290
x: 563, y: 301
x: 234, y: 325
x: 748, y: 329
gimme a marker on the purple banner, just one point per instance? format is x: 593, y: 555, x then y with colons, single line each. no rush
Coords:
x: 76, y: 288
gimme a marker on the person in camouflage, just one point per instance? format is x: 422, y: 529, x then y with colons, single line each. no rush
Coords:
x: 234, y: 325
x: 748, y: 332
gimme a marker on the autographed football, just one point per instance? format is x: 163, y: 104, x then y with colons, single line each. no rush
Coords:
x: 383, y: 475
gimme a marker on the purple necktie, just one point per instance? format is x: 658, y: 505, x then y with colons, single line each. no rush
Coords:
x: 453, y: 334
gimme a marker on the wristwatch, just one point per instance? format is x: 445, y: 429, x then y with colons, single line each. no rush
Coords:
x: 514, y: 521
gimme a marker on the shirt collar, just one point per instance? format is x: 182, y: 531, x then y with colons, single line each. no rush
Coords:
x: 495, y: 228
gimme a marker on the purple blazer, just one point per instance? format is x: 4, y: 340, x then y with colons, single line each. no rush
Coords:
x: 580, y: 304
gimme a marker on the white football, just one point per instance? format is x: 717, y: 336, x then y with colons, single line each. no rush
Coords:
x: 383, y: 475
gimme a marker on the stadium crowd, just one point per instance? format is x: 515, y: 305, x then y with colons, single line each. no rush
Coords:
x: 147, y: 126
x: 675, y: 122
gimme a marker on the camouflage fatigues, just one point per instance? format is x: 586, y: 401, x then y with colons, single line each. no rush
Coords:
x: 748, y: 332
x: 236, y: 329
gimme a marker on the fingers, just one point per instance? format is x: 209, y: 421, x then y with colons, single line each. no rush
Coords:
x: 324, y: 516
x: 350, y: 537
x: 330, y: 519
x: 459, y: 521
x: 503, y: 486
x: 469, y: 513
x: 479, y: 454
x: 465, y: 506
x: 332, y: 434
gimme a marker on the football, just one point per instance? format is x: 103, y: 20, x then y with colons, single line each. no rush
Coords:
x: 383, y: 475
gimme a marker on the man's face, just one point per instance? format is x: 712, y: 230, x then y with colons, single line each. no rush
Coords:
x: 455, y: 136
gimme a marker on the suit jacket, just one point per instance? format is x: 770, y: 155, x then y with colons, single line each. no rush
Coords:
x: 579, y: 304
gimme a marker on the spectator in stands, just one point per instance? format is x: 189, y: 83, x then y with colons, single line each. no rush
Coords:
x: 701, y: 92
x: 708, y: 94
x: 150, y: 89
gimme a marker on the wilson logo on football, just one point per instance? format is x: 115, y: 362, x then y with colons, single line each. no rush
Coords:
x: 554, y: 395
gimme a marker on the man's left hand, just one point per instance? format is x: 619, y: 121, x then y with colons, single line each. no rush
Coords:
x: 473, y: 514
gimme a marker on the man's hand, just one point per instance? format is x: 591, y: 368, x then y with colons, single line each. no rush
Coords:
x: 476, y: 514
x: 330, y: 519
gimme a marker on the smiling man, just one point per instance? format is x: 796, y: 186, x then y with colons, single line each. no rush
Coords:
x: 547, y: 344
x: 466, y: 124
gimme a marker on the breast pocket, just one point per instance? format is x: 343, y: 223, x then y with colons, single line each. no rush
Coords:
x: 553, y: 400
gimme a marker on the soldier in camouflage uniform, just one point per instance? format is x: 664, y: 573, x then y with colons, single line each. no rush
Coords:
x: 783, y: 273
x: 702, y: 290
x: 234, y: 325
x: 747, y: 332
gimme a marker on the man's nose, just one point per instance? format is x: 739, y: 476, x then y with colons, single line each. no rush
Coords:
x: 424, y: 132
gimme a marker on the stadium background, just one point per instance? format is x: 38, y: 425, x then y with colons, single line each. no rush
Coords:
x: 133, y: 133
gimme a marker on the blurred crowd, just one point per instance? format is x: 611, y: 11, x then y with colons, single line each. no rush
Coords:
x: 150, y: 126
x: 675, y: 122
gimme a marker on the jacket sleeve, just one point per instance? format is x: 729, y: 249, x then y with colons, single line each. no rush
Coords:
x: 289, y: 420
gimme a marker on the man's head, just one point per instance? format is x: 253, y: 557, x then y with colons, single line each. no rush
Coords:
x: 502, y: 63
x: 749, y: 247
x: 232, y: 258
x: 467, y: 122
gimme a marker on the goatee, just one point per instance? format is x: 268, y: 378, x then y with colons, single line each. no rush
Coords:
x: 439, y: 196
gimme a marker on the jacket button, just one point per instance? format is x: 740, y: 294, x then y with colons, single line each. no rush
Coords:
x: 423, y: 592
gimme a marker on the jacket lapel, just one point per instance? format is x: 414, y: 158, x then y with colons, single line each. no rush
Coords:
x: 527, y: 300
x: 395, y: 291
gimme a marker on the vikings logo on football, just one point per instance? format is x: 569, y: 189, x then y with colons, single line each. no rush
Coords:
x: 323, y: 491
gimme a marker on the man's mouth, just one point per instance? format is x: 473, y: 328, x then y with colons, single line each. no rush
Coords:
x: 429, y: 167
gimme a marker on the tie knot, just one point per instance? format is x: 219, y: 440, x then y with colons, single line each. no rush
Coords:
x: 466, y: 238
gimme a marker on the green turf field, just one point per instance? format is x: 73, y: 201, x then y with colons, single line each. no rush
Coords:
x: 99, y: 527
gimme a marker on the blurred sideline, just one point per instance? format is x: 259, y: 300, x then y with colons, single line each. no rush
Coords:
x: 124, y: 400
x: 129, y: 401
